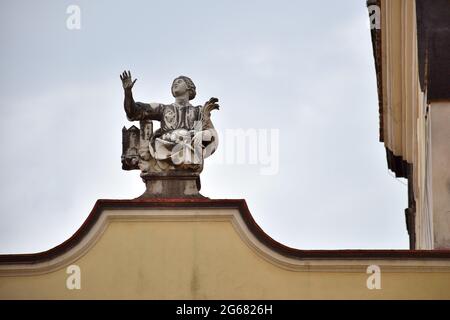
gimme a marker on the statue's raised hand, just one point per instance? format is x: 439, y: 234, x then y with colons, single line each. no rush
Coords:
x: 210, y: 105
x: 127, y: 81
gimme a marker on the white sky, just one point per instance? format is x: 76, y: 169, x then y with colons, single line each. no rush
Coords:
x: 303, y: 67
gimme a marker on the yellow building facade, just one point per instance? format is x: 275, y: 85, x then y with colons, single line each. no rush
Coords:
x: 411, y: 50
x: 210, y: 249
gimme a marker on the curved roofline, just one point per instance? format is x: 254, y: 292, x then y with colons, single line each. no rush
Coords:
x: 241, y: 206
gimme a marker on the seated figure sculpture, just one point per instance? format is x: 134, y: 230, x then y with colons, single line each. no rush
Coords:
x: 170, y: 158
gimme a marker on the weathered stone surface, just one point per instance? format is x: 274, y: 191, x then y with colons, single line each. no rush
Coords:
x: 170, y: 158
x: 172, y: 186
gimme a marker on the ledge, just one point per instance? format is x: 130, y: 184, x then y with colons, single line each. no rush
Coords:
x: 241, y: 206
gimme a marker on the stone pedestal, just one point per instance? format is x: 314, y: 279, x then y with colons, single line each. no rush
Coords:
x: 171, y: 186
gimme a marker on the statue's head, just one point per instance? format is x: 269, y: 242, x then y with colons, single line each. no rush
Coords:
x: 181, y: 85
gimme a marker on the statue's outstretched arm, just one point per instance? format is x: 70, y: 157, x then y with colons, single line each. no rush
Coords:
x: 137, y: 110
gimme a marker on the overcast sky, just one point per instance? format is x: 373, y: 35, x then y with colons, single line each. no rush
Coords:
x: 303, y: 67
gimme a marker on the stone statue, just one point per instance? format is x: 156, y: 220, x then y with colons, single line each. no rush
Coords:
x: 170, y: 158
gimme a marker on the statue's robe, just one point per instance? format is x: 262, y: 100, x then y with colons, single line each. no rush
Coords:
x: 178, y: 126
